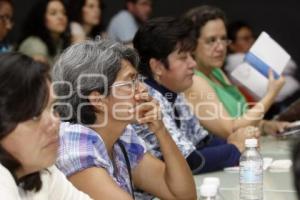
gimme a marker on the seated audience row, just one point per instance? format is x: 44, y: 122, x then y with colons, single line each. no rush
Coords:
x: 119, y: 105
x: 97, y: 114
x: 221, y: 102
x: 98, y: 142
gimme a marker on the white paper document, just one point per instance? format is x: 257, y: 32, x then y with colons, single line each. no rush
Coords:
x: 265, y: 54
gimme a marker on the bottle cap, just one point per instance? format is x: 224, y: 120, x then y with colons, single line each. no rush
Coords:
x: 208, y: 190
x: 251, y: 142
x: 212, y: 180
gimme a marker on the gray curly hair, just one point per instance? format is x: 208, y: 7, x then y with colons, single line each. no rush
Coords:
x: 82, y: 68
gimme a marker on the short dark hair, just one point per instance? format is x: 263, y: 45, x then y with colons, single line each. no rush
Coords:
x: 159, y: 37
x: 202, y: 14
x: 234, y: 27
x: 23, y: 95
x: 74, y: 10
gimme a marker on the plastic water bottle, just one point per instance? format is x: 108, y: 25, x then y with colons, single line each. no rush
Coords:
x: 251, y: 172
x: 208, y: 192
x: 214, y: 181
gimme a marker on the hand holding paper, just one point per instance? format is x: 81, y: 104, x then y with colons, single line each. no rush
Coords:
x: 265, y: 55
x: 274, y: 85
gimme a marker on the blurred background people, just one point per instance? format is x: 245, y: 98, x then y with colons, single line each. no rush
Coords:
x: 85, y: 19
x: 45, y: 31
x: 29, y: 133
x: 242, y: 37
x: 6, y: 23
x: 125, y: 23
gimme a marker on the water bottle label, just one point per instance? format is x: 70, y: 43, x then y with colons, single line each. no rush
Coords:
x: 251, y: 172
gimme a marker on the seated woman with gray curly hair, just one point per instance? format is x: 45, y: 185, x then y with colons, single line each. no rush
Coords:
x: 99, y: 95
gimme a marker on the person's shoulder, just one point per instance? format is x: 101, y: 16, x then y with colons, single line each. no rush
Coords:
x: 199, y: 90
x: 51, y: 175
x: 199, y: 82
x: 67, y: 128
x: 33, y: 46
x: 33, y: 40
x: 80, y: 148
x: 77, y: 138
x: 123, y: 14
x: 76, y: 28
x: 120, y: 18
x: 4, y: 173
x: 8, y: 186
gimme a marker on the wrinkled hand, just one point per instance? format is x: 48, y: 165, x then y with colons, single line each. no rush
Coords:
x: 274, y: 127
x: 148, y: 112
x: 239, y: 136
x: 275, y: 85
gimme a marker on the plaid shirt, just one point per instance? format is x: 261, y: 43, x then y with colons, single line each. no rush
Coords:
x: 82, y: 148
x: 187, y: 136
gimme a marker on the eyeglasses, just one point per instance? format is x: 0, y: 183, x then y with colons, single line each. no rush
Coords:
x: 132, y: 85
x: 212, y: 42
x: 6, y: 19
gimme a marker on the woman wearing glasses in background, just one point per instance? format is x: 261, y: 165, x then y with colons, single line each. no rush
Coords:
x: 29, y: 134
x: 216, y: 100
x: 99, y: 97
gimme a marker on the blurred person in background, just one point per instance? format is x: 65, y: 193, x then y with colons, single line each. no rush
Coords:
x: 85, y: 19
x: 242, y: 37
x: 45, y: 31
x: 6, y: 23
x: 124, y: 24
x: 29, y: 134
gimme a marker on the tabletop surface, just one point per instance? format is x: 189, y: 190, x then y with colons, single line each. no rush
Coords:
x: 277, y: 185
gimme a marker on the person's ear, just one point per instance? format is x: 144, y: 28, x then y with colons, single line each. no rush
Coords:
x: 156, y: 67
x: 97, y: 101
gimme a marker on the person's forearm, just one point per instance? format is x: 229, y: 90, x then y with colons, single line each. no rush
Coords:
x: 178, y: 175
x: 254, y: 115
